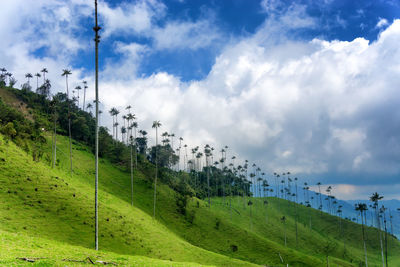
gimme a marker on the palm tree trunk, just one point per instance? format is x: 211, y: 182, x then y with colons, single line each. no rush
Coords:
x: 55, y: 142
x: 208, y: 184
x: 363, y: 236
x: 84, y: 98
x: 131, y: 174
x: 69, y: 125
x: 96, y: 29
x: 155, y: 180
x: 386, y: 241
x: 380, y: 235
x: 296, y: 219
x: 136, y: 151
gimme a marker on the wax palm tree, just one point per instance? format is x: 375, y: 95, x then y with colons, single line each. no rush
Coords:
x: 112, y: 113
x: 156, y: 125
x: 179, y: 153
x: 207, y: 152
x: 44, y: 71
x: 89, y: 106
x: 283, y: 220
x: 116, y: 123
x: 135, y: 126
x: 123, y: 132
x: 29, y: 76
x: 84, y: 94
x: 129, y: 108
x: 127, y: 117
x: 123, y: 126
x: 383, y: 212
x: 131, y: 165
x: 375, y: 198
x: 10, y: 80
x: 362, y: 208
x: 96, y: 29
x: 78, y: 88
x: 53, y: 104
x: 37, y: 80
x: 65, y: 73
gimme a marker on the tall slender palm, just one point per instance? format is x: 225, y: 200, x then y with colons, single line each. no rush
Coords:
x: 128, y: 118
x: 320, y: 196
x: 89, y: 106
x: 96, y: 29
x: 283, y: 219
x: 135, y: 126
x: 54, y: 107
x: 84, y: 94
x: 9, y: 75
x: 116, y: 123
x: 375, y: 199
x: 112, y: 113
x: 78, y: 88
x: 156, y: 125
x: 207, y: 152
x: 383, y: 211
x: 65, y: 73
x: 37, y: 80
x: 29, y: 76
x: 124, y: 132
x: 131, y: 166
x: 362, y: 208
x: 44, y: 70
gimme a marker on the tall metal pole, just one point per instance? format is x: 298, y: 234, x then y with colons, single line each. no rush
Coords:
x: 96, y: 29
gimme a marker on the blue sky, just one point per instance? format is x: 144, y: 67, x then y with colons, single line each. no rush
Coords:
x: 310, y: 87
x: 342, y: 20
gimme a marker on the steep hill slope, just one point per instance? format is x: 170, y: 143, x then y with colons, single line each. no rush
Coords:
x: 52, y: 206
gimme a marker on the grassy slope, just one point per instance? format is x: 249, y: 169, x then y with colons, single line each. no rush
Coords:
x: 53, y: 212
x: 41, y: 202
x: 62, y: 217
x: 47, y: 252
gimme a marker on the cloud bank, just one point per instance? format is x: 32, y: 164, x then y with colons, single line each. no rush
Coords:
x: 323, y: 110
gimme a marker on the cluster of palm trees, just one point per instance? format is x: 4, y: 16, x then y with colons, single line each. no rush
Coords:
x: 7, y: 78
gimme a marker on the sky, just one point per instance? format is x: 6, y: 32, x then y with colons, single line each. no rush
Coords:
x: 309, y: 87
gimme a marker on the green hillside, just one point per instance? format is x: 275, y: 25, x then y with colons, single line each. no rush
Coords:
x: 48, y: 213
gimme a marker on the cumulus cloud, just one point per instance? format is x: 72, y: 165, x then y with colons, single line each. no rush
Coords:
x: 141, y: 18
x: 45, y: 26
x: 315, y: 108
x: 328, y: 107
x: 131, y: 18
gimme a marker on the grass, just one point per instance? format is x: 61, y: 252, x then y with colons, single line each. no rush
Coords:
x: 41, y: 202
x: 42, y: 208
x: 14, y: 247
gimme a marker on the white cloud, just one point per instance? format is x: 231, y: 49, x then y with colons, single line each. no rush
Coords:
x: 306, y: 110
x: 309, y: 107
x: 283, y: 16
x: 140, y: 19
x: 191, y: 35
x: 382, y: 23
x: 131, y: 18
x: 46, y: 25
